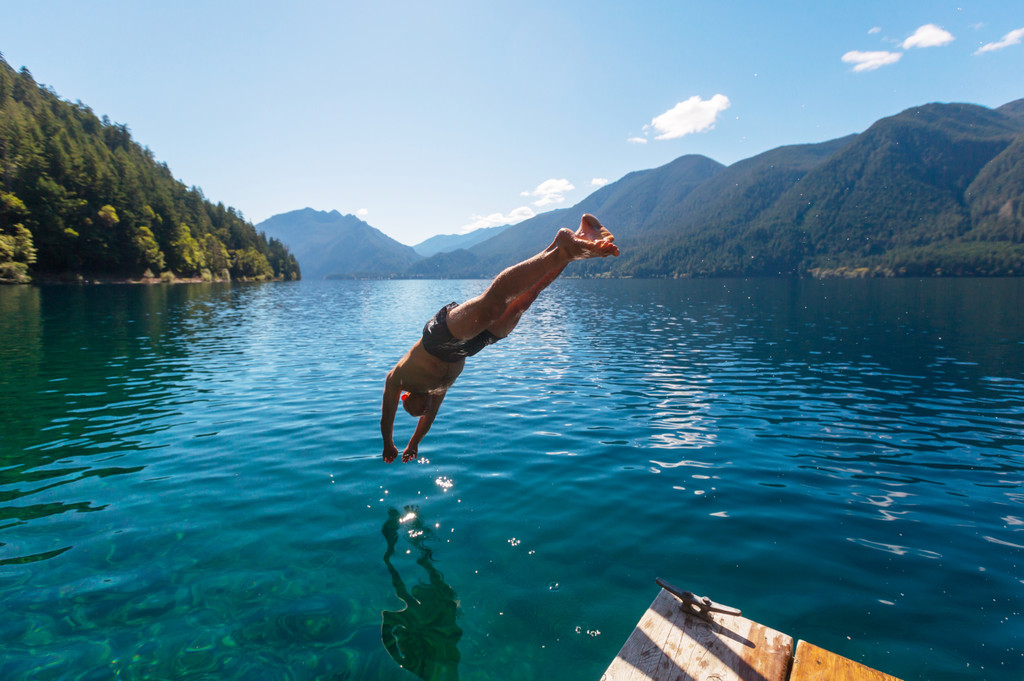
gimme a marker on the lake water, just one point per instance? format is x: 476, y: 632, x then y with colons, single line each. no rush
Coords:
x: 191, y: 484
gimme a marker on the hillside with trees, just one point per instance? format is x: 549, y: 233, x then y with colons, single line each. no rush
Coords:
x: 79, y: 197
x: 936, y: 190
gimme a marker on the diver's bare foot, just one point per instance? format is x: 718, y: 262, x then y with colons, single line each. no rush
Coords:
x: 591, y: 229
x: 580, y: 245
x: 577, y: 248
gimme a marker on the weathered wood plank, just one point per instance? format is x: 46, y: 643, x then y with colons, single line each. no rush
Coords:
x: 670, y: 644
x: 812, y: 663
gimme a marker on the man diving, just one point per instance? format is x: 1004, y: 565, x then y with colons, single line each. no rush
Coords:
x: 422, y: 377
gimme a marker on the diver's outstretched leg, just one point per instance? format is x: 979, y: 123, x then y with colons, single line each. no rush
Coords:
x: 531, y: 276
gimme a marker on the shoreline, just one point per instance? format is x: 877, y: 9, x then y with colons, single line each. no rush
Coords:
x: 83, y: 280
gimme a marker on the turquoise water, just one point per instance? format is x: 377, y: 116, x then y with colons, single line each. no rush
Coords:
x: 191, y: 484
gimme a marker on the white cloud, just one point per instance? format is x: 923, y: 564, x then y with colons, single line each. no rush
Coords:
x: 693, y: 115
x: 599, y: 181
x: 520, y: 214
x: 637, y: 140
x: 495, y: 219
x: 1011, y: 38
x: 876, y: 29
x: 546, y: 193
x: 550, y: 191
x: 362, y: 212
x: 869, y: 61
x: 928, y: 35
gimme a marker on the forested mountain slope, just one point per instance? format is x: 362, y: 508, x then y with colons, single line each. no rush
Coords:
x: 79, y: 197
x: 935, y: 190
x: 637, y: 203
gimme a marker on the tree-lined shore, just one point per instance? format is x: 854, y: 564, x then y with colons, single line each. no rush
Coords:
x: 80, y: 200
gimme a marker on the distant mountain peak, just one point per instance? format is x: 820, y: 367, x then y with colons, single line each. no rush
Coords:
x: 313, y: 214
x: 328, y: 243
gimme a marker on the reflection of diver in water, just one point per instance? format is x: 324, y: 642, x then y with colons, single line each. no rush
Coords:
x: 422, y: 637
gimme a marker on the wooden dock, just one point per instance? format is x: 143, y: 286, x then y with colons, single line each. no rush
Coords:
x: 675, y: 642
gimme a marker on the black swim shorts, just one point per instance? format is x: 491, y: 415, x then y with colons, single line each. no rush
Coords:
x: 439, y: 341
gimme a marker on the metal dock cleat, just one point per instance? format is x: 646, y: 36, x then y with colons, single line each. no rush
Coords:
x: 701, y: 606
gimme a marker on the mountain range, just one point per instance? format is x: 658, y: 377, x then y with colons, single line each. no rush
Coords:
x: 443, y: 243
x: 934, y: 190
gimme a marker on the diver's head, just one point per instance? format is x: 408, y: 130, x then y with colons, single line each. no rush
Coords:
x: 416, y: 404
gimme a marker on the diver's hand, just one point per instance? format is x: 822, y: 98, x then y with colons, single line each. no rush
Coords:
x: 390, y: 452
x: 410, y: 453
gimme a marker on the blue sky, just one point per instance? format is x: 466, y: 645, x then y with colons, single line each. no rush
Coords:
x: 427, y: 118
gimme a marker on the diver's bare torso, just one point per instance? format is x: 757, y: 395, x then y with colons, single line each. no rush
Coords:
x: 420, y: 372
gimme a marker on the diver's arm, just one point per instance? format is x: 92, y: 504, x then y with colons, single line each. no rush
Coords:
x: 388, y: 408
x: 422, y: 427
